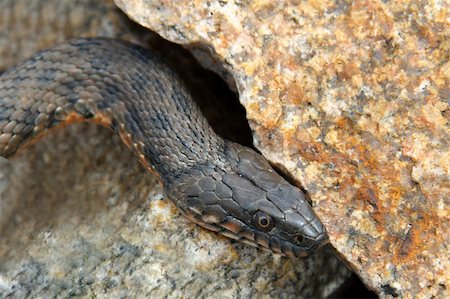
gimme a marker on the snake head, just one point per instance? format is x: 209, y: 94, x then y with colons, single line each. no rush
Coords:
x: 248, y: 201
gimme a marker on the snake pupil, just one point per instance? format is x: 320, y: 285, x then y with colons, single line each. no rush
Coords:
x: 263, y: 221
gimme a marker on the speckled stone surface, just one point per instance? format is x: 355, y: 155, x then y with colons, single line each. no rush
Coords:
x: 79, y: 216
x: 30, y: 25
x: 352, y: 99
x: 89, y: 221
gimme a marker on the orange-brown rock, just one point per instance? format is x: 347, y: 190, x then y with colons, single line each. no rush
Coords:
x: 352, y: 99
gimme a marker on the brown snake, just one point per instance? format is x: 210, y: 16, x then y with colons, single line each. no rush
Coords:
x: 218, y: 184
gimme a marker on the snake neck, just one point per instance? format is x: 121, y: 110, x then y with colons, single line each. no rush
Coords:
x: 175, y: 146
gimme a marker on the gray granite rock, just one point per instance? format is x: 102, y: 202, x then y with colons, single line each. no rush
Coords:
x: 81, y: 217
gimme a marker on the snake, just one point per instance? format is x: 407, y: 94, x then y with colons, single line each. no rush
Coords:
x: 216, y: 183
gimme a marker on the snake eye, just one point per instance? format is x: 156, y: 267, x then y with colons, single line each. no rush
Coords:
x: 263, y: 221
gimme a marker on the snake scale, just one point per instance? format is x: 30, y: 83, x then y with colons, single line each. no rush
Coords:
x: 216, y: 183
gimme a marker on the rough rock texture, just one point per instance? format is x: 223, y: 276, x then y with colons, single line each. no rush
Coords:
x: 89, y: 221
x: 352, y: 99
x: 26, y: 26
x: 80, y: 217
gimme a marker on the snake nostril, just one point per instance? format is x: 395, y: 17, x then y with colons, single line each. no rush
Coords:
x: 299, y: 238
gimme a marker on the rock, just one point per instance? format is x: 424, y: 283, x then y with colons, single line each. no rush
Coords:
x: 30, y: 25
x: 352, y: 100
x: 80, y: 217
x: 89, y: 221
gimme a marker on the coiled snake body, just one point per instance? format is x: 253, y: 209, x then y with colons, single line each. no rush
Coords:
x: 221, y: 185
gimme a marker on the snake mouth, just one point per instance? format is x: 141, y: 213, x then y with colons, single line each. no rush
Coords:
x: 274, y: 244
x: 237, y: 230
x: 277, y: 245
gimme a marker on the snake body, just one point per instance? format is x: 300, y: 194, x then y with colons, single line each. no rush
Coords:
x: 218, y: 184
